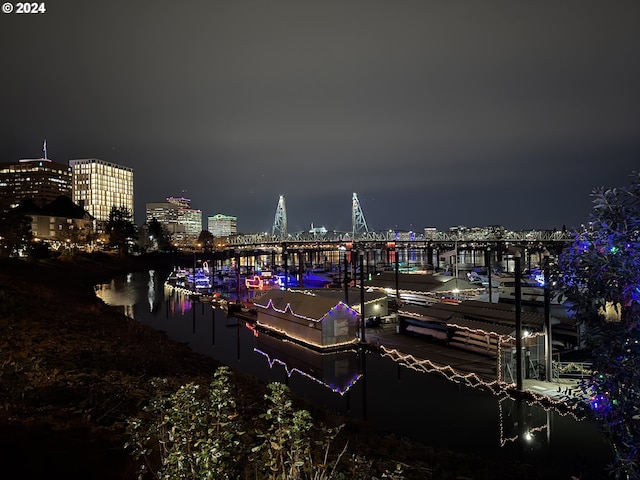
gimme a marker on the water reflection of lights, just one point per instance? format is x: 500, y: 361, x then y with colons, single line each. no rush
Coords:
x: 179, y: 299
x: 337, y: 370
x: 526, y: 431
x: 290, y: 371
x: 151, y: 292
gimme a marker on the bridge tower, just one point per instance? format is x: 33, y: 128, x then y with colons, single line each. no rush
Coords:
x: 280, y: 221
x: 358, y: 223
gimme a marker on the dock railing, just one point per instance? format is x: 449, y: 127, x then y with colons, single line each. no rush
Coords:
x: 575, y: 370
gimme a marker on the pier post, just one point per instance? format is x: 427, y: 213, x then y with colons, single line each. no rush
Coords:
x: 195, y: 264
x: 285, y: 260
x: 238, y: 275
x: 487, y: 262
x: 547, y: 319
x: 301, y: 268
x: 346, y: 278
x: 397, y: 269
x: 362, y: 320
x: 518, y: 273
x: 367, y: 252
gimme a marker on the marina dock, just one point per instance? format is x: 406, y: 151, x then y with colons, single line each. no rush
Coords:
x: 457, y: 355
x: 459, y: 365
x: 417, y: 351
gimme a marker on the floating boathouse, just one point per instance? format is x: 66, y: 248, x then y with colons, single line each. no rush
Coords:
x: 315, y: 320
x: 428, y: 289
x: 376, y: 303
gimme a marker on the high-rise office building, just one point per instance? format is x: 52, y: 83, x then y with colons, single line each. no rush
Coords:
x: 182, y: 222
x: 191, y: 218
x: 99, y: 185
x: 41, y: 180
x: 220, y: 225
x: 165, y: 213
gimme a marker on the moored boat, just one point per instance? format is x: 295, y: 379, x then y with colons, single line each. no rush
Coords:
x: 531, y: 291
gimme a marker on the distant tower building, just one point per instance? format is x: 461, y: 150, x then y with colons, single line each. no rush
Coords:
x: 220, y: 225
x: 182, y: 222
x: 99, y: 185
x: 166, y: 213
x: 41, y: 180
x: 192, y: 221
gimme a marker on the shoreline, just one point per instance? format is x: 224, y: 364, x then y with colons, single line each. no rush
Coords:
x: 74, y: 369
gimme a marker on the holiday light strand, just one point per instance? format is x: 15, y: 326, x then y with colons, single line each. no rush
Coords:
x: 427, y: 366
x: 473, y: 380
x: 530, y: 431
x: 290, y: 371
x: 305, y: 340
x: 271, y: 305
x: 437, y: 295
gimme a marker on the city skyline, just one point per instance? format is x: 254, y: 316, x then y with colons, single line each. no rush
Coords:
x: 436, y: 115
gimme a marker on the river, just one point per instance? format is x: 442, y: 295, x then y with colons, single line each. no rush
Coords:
x: 394, y: 398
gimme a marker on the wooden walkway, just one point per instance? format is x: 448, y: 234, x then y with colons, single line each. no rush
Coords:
x: 460, y: 365
x: 421, y: 347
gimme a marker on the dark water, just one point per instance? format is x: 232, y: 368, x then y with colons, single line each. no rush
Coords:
x: 392, y: 397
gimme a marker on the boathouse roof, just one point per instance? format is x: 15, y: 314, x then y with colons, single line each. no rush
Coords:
x: 354, y: 294
x: 455, y: 318
x: 308, y: 305
x: 419, y: 282
x: 488, y: 313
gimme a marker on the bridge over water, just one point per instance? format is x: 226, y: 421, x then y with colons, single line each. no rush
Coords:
x: 404, y: 237
x: 465, y: 250
x: 459, y: 248
x: 465, y: 247
x: 361, y: 234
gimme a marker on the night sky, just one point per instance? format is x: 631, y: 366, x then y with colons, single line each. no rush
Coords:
x: 436, y: 114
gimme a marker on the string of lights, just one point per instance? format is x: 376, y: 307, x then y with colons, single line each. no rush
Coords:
x: 304, y: 340
x: 496, y: 387
x: 528, y: 434
x: 338, y: 306
x: 289, y: 371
